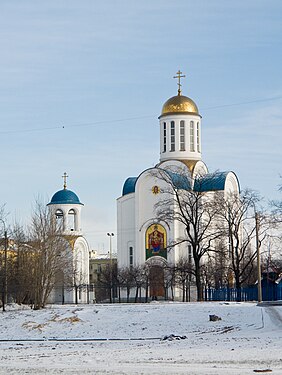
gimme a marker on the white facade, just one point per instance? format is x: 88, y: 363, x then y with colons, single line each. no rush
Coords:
x: 180, y: 148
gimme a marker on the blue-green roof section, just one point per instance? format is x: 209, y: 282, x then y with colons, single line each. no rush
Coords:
x: 129, y: 185
x: 211, y: 182
x: 180, y: 181
x: 65, y: 196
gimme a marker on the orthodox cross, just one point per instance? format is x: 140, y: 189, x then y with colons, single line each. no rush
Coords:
x: 65, y: 176
x: 179, y: 76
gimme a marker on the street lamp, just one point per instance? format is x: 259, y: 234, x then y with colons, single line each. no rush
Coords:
x: 4, y: 276
x: 111, y: 264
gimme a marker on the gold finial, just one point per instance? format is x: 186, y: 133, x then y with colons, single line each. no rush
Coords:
x: 65, y: 176
x: 179, y: 76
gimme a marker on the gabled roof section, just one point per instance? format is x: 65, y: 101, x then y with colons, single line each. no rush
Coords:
x: 129, y: 185
x: 211, y: 182
x: 180, y: 181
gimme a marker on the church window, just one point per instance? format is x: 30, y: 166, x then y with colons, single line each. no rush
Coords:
x: 182, y: 135
x: 172, y: 136
x: 59, y: 219
x: 71, y: 219
x: 164, y: 136
x: 59, y: 214
x: 192, y: 140
x: 198, y: 137
x: 131, y: 256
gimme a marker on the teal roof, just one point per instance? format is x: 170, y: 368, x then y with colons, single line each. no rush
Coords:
x: 129, y: 185
x: 65, y: 196
x: 211, y: 182
x: 180, y: 181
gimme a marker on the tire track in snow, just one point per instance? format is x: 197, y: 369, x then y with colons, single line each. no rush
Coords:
x: 274, y: 315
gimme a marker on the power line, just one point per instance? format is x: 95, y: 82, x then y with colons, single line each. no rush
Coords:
x: 94, y: 123
x: 73, y: 125
x: 243, y: 103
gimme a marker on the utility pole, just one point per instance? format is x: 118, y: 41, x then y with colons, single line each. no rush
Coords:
x: 258, y: 257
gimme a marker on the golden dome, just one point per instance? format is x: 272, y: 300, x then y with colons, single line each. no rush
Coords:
x: 179, y: 104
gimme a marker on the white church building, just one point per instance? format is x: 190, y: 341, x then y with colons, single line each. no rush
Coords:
x: 66, y: 207
x: 141, y: 237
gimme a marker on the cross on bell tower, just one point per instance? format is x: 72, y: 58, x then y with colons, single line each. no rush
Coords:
x: 65, y: 176
x: 179, y: 76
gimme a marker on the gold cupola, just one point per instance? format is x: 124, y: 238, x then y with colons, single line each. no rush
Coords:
x: 179, y: 104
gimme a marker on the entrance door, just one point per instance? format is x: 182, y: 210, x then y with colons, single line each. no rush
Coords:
x: 156, y: 282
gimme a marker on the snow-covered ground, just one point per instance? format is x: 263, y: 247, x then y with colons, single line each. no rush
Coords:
x: 138, y: 339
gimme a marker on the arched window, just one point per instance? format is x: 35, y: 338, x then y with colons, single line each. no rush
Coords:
x: 192, y: 140
x: 71, y: 219
x: 172, y: 136
x: 164, y: 150
x: 182, y: 135
x: 59, y: 214
x: 59, y: 218
x: 130, y: 256
x: 198, y: 137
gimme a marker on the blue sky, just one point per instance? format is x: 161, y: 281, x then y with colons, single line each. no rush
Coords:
x: 83, y: 83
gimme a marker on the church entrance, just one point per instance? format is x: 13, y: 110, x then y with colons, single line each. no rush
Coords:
x: 156, y: 278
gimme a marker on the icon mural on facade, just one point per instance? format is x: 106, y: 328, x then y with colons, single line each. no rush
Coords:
x: 155, y: 189
x: 156, y: 241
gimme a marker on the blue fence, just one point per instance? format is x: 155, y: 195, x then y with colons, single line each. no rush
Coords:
x: 270, y: 292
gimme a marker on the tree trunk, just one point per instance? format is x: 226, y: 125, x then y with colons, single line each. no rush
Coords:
x: 198, y: 280
x: 136, y: 294
x: 127, y: 294
x: 238, y: 287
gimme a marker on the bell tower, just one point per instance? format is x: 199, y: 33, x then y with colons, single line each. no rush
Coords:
x: 180, y: 128
x: 66, y: 207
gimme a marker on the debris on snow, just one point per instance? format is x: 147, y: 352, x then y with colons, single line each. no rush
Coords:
x: 214, y: 318
x: 173, y: 337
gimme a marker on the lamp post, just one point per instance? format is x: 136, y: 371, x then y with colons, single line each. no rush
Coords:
x: 111, y: 265
x: 258, y: 257
x: 4, y: 276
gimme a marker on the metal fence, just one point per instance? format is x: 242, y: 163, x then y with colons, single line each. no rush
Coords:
x: 269, y: 293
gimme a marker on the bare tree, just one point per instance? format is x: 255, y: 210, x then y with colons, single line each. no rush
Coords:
x: 170, y: 272
x: 138, y: 280
x: 126, y: 280
x: 183, y: 270
x: 4, y: 260
x: 108, y: 280
x: 242, y: 223
x: 20, y: 277
x: 50, y: 254
x: 191, y: 204
x: 277, y: 213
